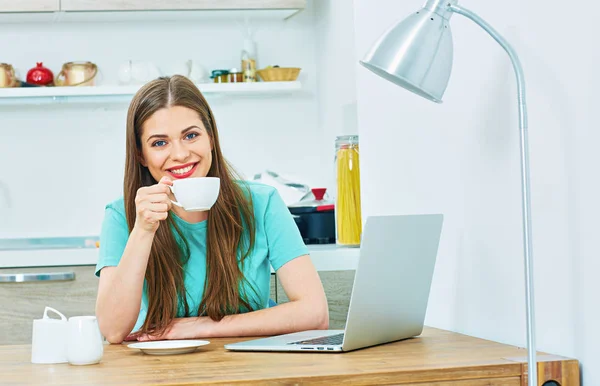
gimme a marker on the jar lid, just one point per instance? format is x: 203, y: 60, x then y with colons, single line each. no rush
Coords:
x: 216, y: 73
x: 346, y: 140
x: 353, y: 137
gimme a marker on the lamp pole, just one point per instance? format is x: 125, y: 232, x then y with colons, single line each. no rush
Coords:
x: 525, y: 186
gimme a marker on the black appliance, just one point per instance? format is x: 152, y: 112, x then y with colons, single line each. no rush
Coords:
x: 315, y: 219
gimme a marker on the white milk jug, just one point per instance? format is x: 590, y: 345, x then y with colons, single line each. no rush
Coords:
x: 85, y: 345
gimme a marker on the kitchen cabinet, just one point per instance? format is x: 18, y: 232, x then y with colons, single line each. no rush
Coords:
x: 155, y: 5
x: 338, y: 288
x: 273, y: 288
x: 29, y: 5
x: 21, y: 303
x: 89, y: 11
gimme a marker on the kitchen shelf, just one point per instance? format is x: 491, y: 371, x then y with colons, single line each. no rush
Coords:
x: 324, y: 257
x: 24, y: 95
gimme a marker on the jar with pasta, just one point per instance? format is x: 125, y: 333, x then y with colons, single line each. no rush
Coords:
x: 347, y: 208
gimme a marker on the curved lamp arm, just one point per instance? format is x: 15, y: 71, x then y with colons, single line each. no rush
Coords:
x: 525, y: 188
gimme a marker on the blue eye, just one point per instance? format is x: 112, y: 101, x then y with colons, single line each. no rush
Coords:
x: 159, y: 143
x: 191, y: 135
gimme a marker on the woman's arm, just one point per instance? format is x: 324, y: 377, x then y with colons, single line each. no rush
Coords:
x: 306, y: 310
x: 120, y: 288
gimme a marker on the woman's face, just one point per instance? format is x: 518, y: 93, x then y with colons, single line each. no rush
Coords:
x: 176, y: 144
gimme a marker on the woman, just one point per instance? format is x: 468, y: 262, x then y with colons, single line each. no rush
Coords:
x: 170, y: 274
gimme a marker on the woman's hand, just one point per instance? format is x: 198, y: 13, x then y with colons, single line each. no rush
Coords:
x: 180, y: 328
x: 152, y: 205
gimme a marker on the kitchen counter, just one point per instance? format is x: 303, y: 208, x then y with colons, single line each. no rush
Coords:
x: 437, y: 357
x: 327, y: 257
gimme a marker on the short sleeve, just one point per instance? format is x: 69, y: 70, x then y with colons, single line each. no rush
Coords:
x: 113, y: 239
x: 283, y: 236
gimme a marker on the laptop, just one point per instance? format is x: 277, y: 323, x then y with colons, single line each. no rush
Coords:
x: 390, y: 292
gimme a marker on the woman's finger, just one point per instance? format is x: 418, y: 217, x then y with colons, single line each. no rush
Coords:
x: 158, y: 198
x: 165, y: 181
x: 157, y: 207
x: 132, y: 336
x: 153, y: 217
x: 158, y: 188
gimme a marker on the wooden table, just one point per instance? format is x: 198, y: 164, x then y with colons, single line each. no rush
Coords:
x: 437, y: 357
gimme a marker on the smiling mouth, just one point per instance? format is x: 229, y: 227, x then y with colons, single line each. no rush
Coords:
x: 183, y: 172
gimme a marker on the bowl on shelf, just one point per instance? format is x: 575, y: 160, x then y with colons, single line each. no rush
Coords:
x: 279, y: 74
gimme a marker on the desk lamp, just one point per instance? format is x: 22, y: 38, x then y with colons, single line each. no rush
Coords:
x: 416, y: 54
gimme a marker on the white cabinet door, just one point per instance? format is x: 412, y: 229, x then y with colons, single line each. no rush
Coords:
x: 29, y: 5
x: 338, y: 289
x: 143, y: 5
x: 70, y: 290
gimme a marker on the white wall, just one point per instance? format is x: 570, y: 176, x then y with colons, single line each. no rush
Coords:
x: 461, y: 158
x: 336, y: 76
x: 61, y: 163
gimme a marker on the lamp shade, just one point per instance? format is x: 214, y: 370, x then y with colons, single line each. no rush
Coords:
x: 416, y: 54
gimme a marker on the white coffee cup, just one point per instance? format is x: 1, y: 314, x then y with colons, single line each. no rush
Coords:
x: 84, y: 341
x: 197, y: 193
x: 48, y: 340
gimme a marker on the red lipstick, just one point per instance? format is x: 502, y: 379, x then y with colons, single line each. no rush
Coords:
x: 184, y: 175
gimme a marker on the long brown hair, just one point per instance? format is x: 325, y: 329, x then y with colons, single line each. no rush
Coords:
x: 231, y: 223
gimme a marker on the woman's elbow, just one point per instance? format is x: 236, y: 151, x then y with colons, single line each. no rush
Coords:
x: 115, y: 338
x: 111, y: 334
x: 322, y: 320
x: 323, y: 323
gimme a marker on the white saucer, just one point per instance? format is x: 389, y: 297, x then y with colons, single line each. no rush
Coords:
x: 168, y: 347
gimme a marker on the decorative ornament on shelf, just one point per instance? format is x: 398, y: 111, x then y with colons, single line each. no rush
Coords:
x: 8, y: 78
x: 40, y: 75
x: 77, y: 74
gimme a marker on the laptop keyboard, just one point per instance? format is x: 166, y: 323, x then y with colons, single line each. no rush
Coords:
x: 331, y: 340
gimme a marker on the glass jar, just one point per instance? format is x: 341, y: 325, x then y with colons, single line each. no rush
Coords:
x: 220, y: 76
x: 235, y: 76
x: 347, y: 207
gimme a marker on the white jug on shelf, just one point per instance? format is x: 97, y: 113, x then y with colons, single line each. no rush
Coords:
x: 197, y: 73
x: 190, y: 69
x: 137, y: 72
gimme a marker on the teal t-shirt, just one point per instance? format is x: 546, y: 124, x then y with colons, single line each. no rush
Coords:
x: 277, y: 241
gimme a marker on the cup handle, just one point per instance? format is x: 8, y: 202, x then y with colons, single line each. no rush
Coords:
x: 174, y: 202
x: 58, y: 81
x: 62, y: 317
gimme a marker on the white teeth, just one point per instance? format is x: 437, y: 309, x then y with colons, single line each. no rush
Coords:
x: 183, y: 170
